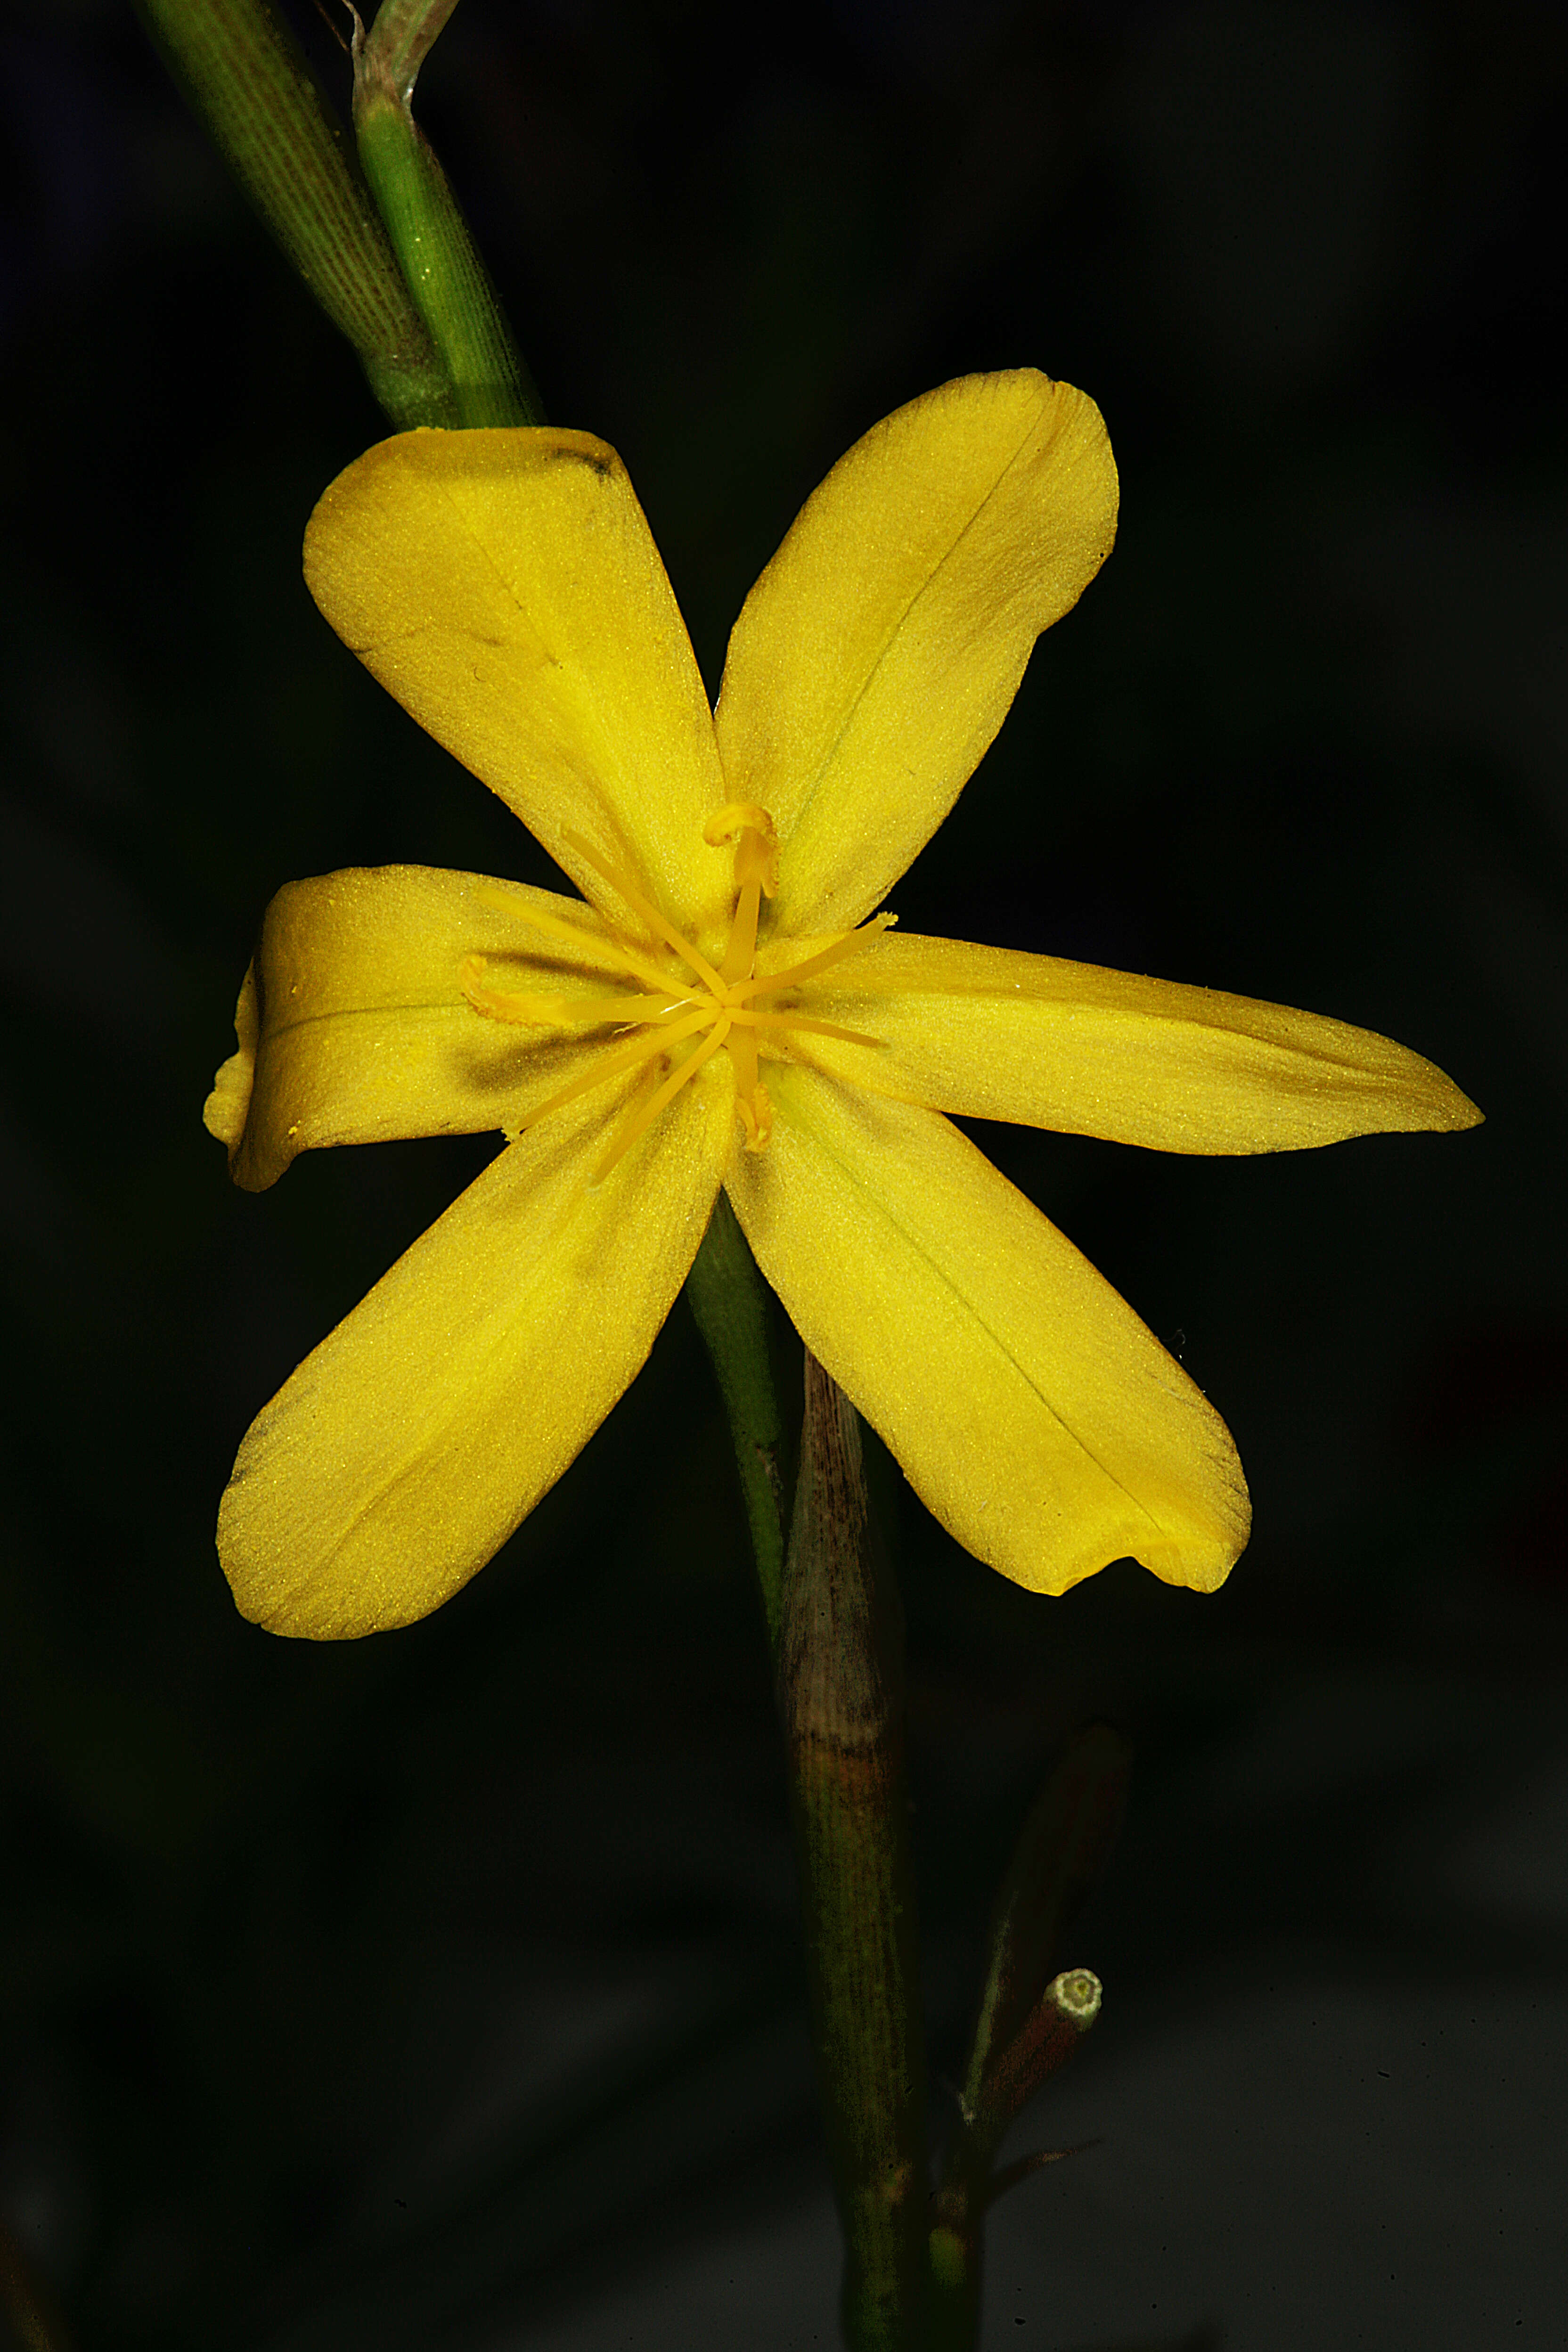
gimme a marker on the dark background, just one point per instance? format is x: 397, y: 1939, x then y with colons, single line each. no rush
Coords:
x: 442, y: 1990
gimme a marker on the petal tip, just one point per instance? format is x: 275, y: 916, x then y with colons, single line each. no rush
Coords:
x: 321, y: 1607
x: 1462, y: 1112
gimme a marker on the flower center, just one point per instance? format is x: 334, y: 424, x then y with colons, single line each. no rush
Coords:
x: 679, y: 1021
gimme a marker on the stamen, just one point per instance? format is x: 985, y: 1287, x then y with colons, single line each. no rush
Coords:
x: 756, y: 870
x: 609, y: 1066
x: 503, y: 1004
x: 757, y: 1117
x: 843, y: 945
x: 554, y: 927
x: 727, y: 1010
x: 650, y: 915
x: 743, y: 1044
x: 757, y: 850
x: 642, y: 1115
x: 817, y: 1028
x: 741, y: 953
x: 733, y: 818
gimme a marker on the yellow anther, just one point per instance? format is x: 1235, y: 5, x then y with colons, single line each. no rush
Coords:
x: 733, y: 818
x: 582, y: 1012
x: 643, y: 1113
x: 757, y: 1117
x: 577, y: 936
x: 845, y: 944
x: 756, y: 842
x: 489, y: 1002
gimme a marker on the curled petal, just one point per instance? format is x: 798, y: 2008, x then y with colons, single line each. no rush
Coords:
x: 353, y: 1026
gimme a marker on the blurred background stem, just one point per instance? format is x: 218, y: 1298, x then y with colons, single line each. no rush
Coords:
x: 26, y: 2319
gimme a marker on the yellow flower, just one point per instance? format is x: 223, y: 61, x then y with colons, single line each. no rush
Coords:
x: 721, y: 1011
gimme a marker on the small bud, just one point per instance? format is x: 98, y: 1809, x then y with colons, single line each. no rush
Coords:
x: 1027, y: 2023
x: 1077, y: 1992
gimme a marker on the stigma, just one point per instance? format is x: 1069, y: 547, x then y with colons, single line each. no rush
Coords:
x: 683, y: 1009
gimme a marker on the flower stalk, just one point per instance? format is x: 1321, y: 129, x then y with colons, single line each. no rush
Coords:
x: 729, y: 1304
x: 440, y: 262
x: 840, y: 1695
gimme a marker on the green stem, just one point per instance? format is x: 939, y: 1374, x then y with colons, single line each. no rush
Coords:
x: 729, y: 1301
x: 247, y: 78
x: 440, y: 261
x: 840, y: 1689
